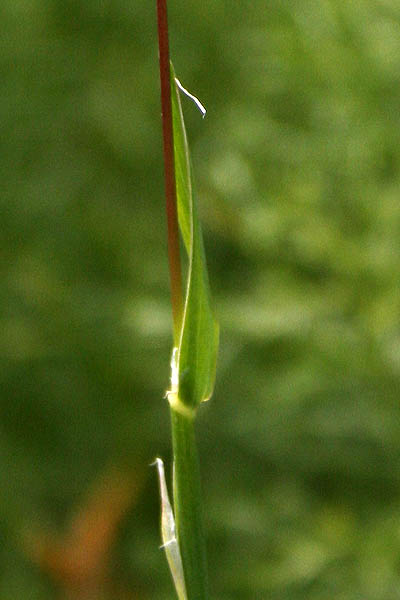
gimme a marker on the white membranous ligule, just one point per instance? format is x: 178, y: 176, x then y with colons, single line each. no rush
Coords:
x: 174, y: 372
x: 168, y: 533
x: 173, y: 394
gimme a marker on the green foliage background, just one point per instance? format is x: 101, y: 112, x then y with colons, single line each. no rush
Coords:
x: 297, y: 172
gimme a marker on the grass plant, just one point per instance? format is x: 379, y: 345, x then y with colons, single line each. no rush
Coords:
x: 195, y: 342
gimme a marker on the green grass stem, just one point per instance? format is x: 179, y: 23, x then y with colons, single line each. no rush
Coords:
x: 195, y: 337
x: 188, y: 506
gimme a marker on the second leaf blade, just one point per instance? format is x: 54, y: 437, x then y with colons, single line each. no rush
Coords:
x: 198, y: 346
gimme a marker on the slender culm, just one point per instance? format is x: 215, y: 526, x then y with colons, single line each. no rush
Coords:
x: 169, y: 170
x: 195, y: 342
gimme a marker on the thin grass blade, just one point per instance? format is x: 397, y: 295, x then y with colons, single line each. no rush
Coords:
x: 197, y: 352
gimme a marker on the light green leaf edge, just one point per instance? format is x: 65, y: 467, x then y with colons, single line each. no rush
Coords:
x: 194, y: 361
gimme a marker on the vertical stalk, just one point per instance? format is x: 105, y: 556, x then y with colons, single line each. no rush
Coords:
x: 188, y: 508
x: 169, y: 170
x: 186, y: 487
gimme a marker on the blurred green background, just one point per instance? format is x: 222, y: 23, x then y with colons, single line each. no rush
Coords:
x: 297, y: 169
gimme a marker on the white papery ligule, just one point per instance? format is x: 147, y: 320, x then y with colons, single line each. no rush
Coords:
x: 173, y: 393
x: 168, y: 534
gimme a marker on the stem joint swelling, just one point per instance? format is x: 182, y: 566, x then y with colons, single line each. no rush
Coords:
x: 178, y: 406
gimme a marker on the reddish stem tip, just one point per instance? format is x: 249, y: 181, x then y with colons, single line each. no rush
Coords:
x: 169, y: 170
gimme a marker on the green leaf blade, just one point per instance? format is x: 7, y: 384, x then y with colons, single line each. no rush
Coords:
x: 198, y: 346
